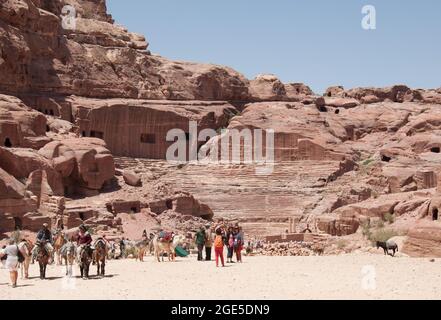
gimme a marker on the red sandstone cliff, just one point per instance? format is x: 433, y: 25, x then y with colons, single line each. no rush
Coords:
x: 72, y: 99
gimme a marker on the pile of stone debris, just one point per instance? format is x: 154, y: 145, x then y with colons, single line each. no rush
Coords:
x: 290, y: 249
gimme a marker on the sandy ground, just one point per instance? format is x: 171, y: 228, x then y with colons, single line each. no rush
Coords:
x: 335, y: 277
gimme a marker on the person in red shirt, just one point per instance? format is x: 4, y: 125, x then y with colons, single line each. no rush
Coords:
x: 83, y: 239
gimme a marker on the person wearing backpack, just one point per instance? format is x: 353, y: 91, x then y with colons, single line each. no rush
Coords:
x: 219, y: 248
x: 13, y: 253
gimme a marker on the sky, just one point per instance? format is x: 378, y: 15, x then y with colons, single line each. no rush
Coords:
x: 318, y: 42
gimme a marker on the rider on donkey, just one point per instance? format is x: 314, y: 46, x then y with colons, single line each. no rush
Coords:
x: 84, y: 239
x: 44, y: 235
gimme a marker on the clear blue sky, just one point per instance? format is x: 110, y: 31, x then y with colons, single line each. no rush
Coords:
x: 318, y: 42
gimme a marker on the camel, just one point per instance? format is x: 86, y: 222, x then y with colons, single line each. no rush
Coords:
x: 59, y: 241
x: 67, y: 253
x: 169, y: 247
x: 25, y: 247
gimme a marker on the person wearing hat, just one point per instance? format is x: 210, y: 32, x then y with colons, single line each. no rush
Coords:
x: 44, y: 235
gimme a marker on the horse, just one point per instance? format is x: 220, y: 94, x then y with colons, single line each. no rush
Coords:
x: 59, y: 241
x: 67, y: 252
x: 43, y: 257
x: 386, y: 246
x: 85, y: 257
x: 167, y: 246
x: 25, y: 247
x: 99, y: 256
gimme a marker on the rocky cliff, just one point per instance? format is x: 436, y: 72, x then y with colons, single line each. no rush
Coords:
x: 85, y: 108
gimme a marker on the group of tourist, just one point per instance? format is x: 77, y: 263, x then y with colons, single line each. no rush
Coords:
x: 210, y: 238
x: 219, y: 237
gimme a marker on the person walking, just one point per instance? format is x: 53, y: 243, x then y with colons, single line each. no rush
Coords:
x: 238, y: 244
x: 200, y: 242
x: 122, y: 248
x: 12, y: 253
x: 230, y: 244
x: 219, y: 248
x: 208, y: 243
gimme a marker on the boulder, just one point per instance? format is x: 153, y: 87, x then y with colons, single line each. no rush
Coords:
x: 131, y: 178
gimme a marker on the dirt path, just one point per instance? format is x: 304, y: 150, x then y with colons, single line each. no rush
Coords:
x: 339, y: 277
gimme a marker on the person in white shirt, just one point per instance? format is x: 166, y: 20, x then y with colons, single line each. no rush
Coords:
x: 11, y: 251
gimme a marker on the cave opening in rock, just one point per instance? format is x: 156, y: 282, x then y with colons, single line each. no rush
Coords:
x: 51, y: 112
x: 81, y: 215
x: 84, y: 134
x: 109, y: 208
x: 206, y: 217
x: 18, y: 224
x: 169, y: 204
x: 435, y: 214
x: 148, y: 138
x: 323, y: 109
x: 97, y: 134
x: 48, y: 129
x: 435, y: 150
x: 7, y: 143
x: 337, y: 111
x: 385, y: 158
x: 134, y: 210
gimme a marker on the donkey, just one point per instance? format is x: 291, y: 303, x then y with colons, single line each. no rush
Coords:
x: 25, y: 247
x: 99, y: 256
x: 43, y: 257
x: 142, y: 247
x: 67, y: 253
x: 59, y: 242
x: 386, y: 246
x: 84, y: 260
x: 167, y: 246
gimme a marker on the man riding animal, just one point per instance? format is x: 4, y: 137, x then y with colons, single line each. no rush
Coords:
x: 84, y: 239
x: 43, y: 236
x: 84, y: 251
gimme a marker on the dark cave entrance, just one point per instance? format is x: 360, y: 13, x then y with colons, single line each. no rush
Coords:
x: 169, y: 204
x: 18, y: 224
x: 385, y: 158
x: 435, y: 214
x: 435, y: 150
x: 7, y: 143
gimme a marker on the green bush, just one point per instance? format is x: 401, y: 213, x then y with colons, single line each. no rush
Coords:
x: 382, y: 235
x: 389, y: 217
x: 366, y: 229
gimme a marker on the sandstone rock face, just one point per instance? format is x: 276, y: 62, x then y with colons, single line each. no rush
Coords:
x: 83, y: 163
x: 268, y: 87
x: 20, y: 126
x: 78, y: 99
x: 138, y: 128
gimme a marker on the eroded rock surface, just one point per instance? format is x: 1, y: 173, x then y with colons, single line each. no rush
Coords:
x: 85, y: 111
